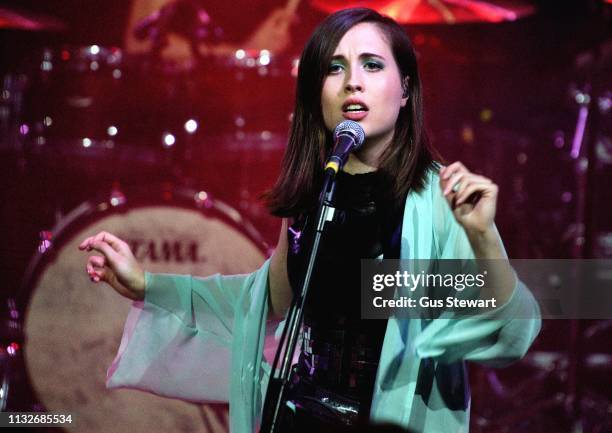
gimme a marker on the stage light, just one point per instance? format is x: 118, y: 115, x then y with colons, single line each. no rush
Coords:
x: 191, y: 126
x: 264, y: 57
x: 46, y: 65
x: 14, y: 348
x: 168, y: 139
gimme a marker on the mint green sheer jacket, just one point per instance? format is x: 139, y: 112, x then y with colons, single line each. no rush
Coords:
x: 203, y: 339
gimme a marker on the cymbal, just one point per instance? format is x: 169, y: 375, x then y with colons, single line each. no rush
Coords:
x: 11, y: 19
x: 437, y: 11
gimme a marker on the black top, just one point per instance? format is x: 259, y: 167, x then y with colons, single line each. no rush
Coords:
x: 340, y: 349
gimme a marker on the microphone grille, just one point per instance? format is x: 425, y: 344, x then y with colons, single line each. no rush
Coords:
x: 353, y: 128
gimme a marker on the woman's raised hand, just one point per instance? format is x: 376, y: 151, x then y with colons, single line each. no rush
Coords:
x: 473, y: 198
x: 117, y: 266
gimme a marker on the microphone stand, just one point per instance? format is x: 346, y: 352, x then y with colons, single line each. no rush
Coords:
x: 277, y: 386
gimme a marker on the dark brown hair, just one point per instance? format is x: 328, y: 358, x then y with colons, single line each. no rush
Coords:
x: 404, y: 162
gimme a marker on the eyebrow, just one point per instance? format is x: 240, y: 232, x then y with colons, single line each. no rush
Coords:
x: 361, y: 56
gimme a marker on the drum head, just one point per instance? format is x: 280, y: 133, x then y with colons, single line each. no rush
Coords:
x: 73, y: 327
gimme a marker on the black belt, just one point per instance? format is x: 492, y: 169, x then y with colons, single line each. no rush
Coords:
x: 316, y: 405
x: 342, y: 361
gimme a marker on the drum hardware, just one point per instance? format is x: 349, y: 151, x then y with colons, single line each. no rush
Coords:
x: 103, y: 144
x: 6, y: 354
x: 579, y: 370
x: 572, y: 381
x: 94, y: 110
x: 10, y: 348
x: 593, y: 105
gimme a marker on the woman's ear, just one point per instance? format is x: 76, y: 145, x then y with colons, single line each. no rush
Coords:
x: 406, y: 92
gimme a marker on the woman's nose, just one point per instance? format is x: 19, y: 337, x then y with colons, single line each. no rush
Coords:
x: 353, y: 87
x: 354, y: 83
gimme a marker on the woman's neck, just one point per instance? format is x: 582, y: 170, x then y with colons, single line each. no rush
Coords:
x: 367, y: 157
x: 354, y: 165
x: 370, y: 153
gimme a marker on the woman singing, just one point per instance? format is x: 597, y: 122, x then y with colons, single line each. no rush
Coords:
x: 202, y: 339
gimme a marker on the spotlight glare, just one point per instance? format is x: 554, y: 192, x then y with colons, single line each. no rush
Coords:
x: 169, y: 139
x: 46, y: 65
x: 191, y: 126
x: 264, y: 57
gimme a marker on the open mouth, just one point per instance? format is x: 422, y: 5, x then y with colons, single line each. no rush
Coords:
x: 354, y: 108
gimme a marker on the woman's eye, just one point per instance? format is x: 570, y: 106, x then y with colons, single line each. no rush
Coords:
x: 372, y: 66
x: 334, y: 68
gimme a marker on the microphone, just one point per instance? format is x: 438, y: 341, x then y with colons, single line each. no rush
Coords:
x: 348, y: 137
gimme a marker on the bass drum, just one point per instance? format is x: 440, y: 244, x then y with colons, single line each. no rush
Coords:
x: 72, y: 328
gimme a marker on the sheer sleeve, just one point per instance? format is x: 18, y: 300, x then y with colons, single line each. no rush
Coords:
x: 178, y: 342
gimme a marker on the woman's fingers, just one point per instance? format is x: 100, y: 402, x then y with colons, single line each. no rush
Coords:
x: 464, y: 181
x: 117, y: 266
x: 116, y: 243
x: 106, y: 243
x: 90, y: 270
x: 472, y: 197
x: 85, y: 244
x: 103, y: 236
x: 453, y: 183
x: 104, y: 248
x: 452, y: 169
x: 96, y: 268
x: 98, y: 262
x: 458, y: 180
x: 460, y: 186
x: 469, y: 191
x: 451, y: 176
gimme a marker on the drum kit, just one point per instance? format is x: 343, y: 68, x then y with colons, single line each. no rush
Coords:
x: 148, y: 133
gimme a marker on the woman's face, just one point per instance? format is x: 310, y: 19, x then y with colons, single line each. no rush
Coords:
x: 364, y: 84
